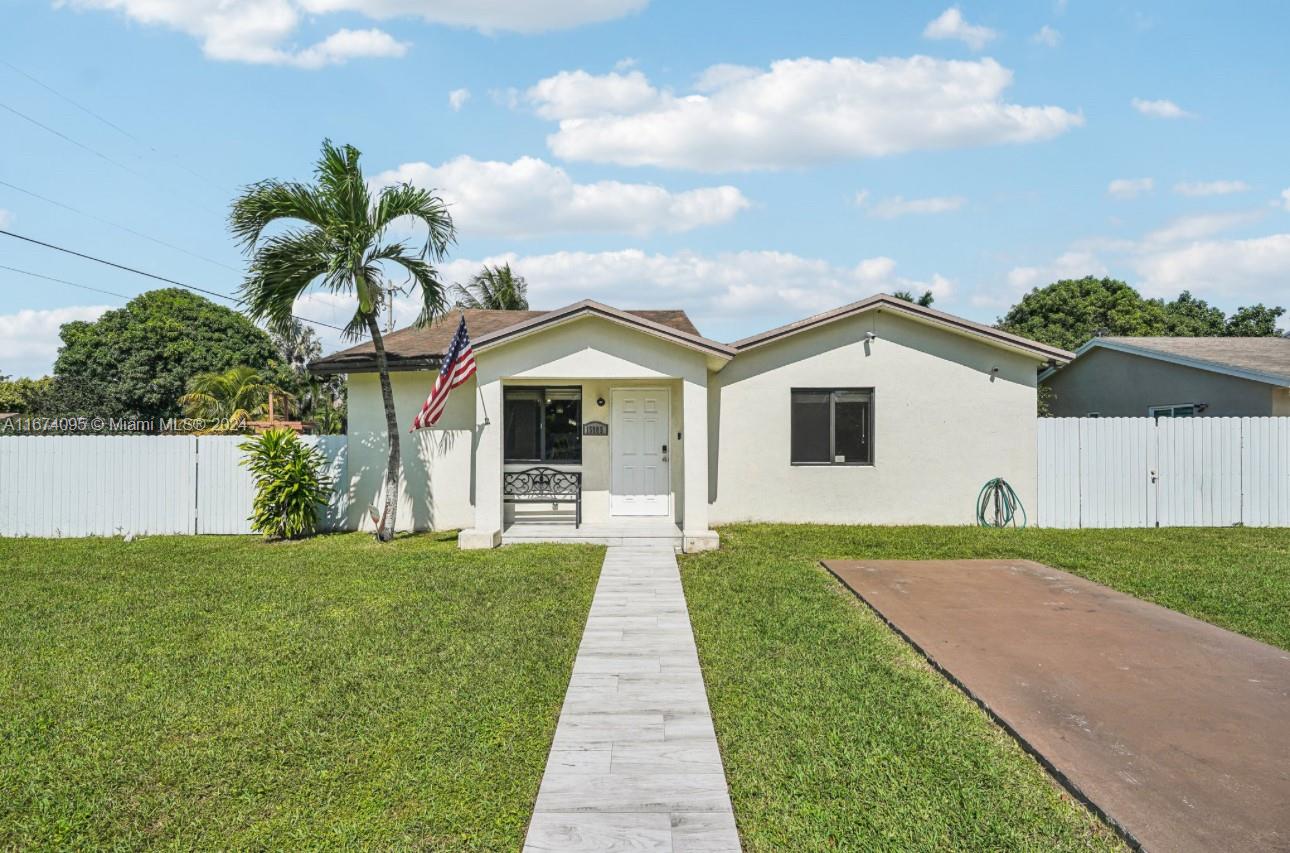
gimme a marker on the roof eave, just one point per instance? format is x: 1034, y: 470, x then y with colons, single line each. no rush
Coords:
x: 1003, y: 340
x: 1182, y: 360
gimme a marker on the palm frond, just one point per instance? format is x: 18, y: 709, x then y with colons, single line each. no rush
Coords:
x: 426, y: 277
x: 282, y: 269
x: 423, y: 206
x: 269, y: 201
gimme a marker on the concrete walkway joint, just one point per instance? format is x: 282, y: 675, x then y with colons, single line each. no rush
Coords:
x: 635, y: 765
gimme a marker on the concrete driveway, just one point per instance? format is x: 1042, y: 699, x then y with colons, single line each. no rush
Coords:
x: 1177, y: 731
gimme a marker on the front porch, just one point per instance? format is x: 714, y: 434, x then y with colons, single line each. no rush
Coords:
x: 610, y: 417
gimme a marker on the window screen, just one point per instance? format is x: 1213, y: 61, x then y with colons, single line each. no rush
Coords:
x: 832, y: 426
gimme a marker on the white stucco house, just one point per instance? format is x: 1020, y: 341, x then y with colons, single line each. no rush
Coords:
x: 880, y: 412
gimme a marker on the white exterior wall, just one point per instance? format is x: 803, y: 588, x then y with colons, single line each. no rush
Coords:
x: 437, y: 485
x: 942, y: 426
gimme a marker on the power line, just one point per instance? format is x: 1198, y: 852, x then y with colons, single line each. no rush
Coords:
x: 153, y: 276
x: 125, y: 228
x: 64, y: 281
x: 67, y: 138
x: 118, y: 128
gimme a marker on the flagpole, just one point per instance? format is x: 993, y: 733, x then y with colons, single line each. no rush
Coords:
x: 478, y: 390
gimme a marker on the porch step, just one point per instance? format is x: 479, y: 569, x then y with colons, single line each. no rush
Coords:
x: 654, y: 534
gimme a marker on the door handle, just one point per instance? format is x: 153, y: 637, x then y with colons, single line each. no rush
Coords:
x: 665, y: 448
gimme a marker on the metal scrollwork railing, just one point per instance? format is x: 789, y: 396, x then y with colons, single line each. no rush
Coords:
x: 544, y: 485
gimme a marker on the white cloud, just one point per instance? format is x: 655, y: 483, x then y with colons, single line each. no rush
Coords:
x: 1206, y: 188
x: 1187, y: 253
x: 6, y: 218
x: 1129, y: 187
x: 951, y: 24
x: 721, y: 75
x: 344, y: 45
x: 1199, y: 227
x: 570, y: 94
x: 1047, y: 36
x: 1285, y: 198
x: 728, y: 295
x: 532, y: 197
x: 260, y: 31
x: 1072, y: 264
x: 799, y: 112
x: 896, y: 206
x: 1160, y: 109
x: 1253, y: 268
x: 29, y: 339
x: 457, y: 99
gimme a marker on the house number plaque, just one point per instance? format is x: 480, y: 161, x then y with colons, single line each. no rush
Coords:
x: 595, y: 428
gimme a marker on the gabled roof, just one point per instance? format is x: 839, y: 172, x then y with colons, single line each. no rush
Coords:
x: 918, y: 313
x: 639, y: 320
x: 1257, y: 359
x: 419, y: 348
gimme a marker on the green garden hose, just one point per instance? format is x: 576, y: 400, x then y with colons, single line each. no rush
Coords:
x: 997, y: 505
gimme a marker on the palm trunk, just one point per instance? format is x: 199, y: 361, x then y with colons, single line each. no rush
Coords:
x: 385, y: 527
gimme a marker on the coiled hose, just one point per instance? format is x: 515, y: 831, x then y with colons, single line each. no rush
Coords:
x: 997, y: 505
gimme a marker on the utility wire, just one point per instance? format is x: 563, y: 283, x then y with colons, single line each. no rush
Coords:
x: 118, y: 128
x: 67, y: 138
x: 124, y: 228
x: 64, y: 281
x: 97, y: 153
x: 153, y: 276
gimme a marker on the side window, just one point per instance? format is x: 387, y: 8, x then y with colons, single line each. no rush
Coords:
x: 831, y: 426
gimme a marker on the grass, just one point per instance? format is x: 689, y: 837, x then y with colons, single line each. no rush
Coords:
x: 837, y: 736
x: 203, y: 692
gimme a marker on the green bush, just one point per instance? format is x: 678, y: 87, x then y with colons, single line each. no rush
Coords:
x: 289, y: 485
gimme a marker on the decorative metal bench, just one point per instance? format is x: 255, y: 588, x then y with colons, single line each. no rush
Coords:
x: 544, y: 485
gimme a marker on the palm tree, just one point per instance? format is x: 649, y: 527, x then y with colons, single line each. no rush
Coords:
x: 494, y: 287
x: 338, y: 243
x: 230, y: 399
x: 925, y: 300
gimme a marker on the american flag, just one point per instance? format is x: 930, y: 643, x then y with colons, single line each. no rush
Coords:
x: 458, y: 366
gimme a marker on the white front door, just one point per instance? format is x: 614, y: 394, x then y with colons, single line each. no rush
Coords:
x: 638, y: 434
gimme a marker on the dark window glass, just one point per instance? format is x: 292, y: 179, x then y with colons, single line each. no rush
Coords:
x: 542, y: 425
x: 851, y: 427
x: 563, y: 425
x: 523, y: 419
x: 832, y: 426
x: 810, y: 426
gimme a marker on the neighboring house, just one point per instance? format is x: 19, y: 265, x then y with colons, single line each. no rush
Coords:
x: 878, y: 412
x: 1173, y: 377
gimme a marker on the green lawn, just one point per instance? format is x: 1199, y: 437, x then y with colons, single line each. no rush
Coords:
x: 836, y: 735
x: 226, y: 693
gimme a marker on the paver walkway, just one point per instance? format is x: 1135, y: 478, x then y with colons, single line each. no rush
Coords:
x: 634, y: 765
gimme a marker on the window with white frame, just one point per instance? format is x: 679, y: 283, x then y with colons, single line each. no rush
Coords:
x: 1178, y: 410
x: 831, y: 426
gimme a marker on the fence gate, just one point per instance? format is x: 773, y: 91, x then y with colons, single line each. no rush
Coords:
x: 1174, y: 472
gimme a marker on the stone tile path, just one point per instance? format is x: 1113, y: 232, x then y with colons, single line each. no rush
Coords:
x: 634, y: 765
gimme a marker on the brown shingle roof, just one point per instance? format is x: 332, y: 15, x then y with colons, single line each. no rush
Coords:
x: 414, y: 348
x: 1269, y: 356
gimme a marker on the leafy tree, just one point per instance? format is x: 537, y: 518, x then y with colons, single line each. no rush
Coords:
x: 1255, y: 321
x: 25, y: 396
x: 339, y: 242
x: 137, y: 361
x: 1068, y: 313
x: 232, y: 398
x: 494, y: 287
x: 297, y: 344
x: 1189, y: 317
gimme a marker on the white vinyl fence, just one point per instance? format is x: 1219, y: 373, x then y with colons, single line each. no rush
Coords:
x: 119, y: 484
x: 1175, y: 472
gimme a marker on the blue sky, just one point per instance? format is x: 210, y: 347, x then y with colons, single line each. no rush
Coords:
x: 750, y: 162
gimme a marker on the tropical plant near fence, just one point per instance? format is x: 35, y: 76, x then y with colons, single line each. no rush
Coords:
x: 229, y: 399
x: 290, y: 487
